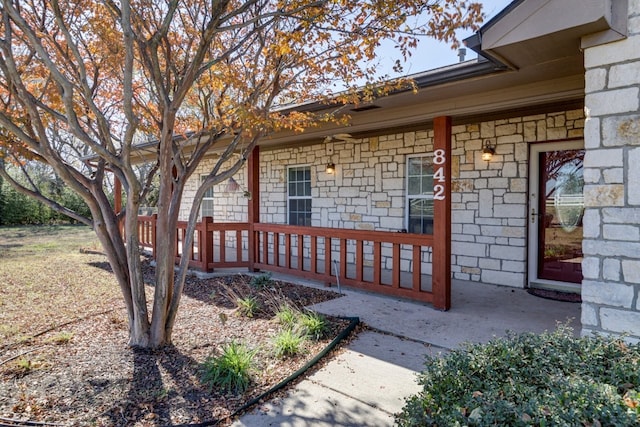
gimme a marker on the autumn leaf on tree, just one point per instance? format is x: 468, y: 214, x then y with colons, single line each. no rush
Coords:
x: 92, y: 89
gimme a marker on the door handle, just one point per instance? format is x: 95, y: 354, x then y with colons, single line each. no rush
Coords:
x: 534, y: 215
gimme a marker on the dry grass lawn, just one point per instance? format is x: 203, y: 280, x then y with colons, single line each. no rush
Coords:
x: 63, y: 335
x: 50, y: 275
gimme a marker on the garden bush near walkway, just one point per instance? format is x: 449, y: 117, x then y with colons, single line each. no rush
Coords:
x: 551, y: 379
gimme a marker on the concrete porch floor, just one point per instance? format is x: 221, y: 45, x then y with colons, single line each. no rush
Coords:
x: 478, y: 313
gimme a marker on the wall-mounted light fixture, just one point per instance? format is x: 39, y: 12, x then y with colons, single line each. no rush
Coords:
x: 331, y: 168
x: 488, y: 151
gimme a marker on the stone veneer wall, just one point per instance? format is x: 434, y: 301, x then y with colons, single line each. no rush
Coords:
x: 367, y: 192
x: 611, y: 286
x: 230, y: 206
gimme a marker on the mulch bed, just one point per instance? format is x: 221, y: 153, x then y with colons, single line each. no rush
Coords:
x: 84, y: 373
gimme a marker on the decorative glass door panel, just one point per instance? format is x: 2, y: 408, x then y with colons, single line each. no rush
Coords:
x: 559, y: 215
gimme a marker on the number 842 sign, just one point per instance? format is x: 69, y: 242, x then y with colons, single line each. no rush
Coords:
x: 439, y: 176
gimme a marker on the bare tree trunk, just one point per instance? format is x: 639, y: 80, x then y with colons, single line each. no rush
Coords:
x: 165, y: 265
x: 139, y: 317
x: 166, y: 225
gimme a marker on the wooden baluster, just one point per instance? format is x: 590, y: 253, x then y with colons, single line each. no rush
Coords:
x: 300, y: 252
x: 239, y: 245
x: 265, y: 247
x: 327, y: 259
x: 314, y: 254
x: 417, y: 268
x: 287, y: 250
x: 276, y: 249
x: 223, y: 246
x: 343, y: 258
x: 359, y: 259
x: 377, y: 261
x: 395, y: 274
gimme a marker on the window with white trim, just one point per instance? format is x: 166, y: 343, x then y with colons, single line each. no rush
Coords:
x: 299, y: 195
x: 419, y: 212
x: 207, y: 206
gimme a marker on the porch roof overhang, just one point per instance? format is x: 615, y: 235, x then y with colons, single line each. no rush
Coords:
x: 530, y: 55
x: 530, y: 32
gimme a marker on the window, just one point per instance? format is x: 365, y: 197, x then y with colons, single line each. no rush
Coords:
x: 420, y: 195
x: 299, y: 195
x: 206, y: 208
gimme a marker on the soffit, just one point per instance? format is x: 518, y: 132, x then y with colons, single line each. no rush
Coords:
x: 537, y: 31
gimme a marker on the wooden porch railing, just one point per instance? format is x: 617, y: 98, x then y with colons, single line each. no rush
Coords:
x: 211, y: 245
x: 378, y: 261
x: 147, y: 232
x: 312, y: 252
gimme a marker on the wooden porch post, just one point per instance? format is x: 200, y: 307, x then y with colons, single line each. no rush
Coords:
x: 254, y: 203
x: 205, y: 243
x: 441, y: 279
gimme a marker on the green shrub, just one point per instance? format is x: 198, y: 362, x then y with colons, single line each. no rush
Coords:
x: 288, y: 342
x: 528, y: 379
x: 287, y: 315
x: 261, y: 282
x: 230, y: 371
x: 248, y: 306
x: 313, y: 324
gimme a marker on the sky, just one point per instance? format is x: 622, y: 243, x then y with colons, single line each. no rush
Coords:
x: 432, y: 54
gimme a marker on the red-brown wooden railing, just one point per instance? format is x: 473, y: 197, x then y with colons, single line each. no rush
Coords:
x: 274, y: 251
x: 147, y: 232
x: 211, y: 245
x: 278, y: 248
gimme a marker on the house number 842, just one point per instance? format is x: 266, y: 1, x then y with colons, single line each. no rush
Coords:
x: 439, y: 158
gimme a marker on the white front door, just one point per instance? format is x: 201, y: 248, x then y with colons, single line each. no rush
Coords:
x: 556, y: 207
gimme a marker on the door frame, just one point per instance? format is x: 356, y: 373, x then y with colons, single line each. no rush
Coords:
x: 533, y: 220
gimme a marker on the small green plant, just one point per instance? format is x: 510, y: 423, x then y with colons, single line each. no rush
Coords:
x: 248, y: 306
x: 231, y: 370
x: 24, y: 366
x: 261, y: 282
x: 288, y: 342
x: 313, y: 324
x: 529, y: 379
x: 287, y: 315
x: 62, y: 338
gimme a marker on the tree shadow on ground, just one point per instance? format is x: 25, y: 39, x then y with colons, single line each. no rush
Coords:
x: 150, y: 402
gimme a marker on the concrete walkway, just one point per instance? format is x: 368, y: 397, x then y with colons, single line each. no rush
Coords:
x: 368, y: 382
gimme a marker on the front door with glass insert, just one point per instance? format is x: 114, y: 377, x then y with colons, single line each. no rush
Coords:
x: 556, y: 207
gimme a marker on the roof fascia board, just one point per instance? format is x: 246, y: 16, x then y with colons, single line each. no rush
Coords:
x: 449, y: 74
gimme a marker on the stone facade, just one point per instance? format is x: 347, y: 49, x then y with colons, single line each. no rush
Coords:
x: 611, y: 286
x: 230, y: 202
x: 368, y: 189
